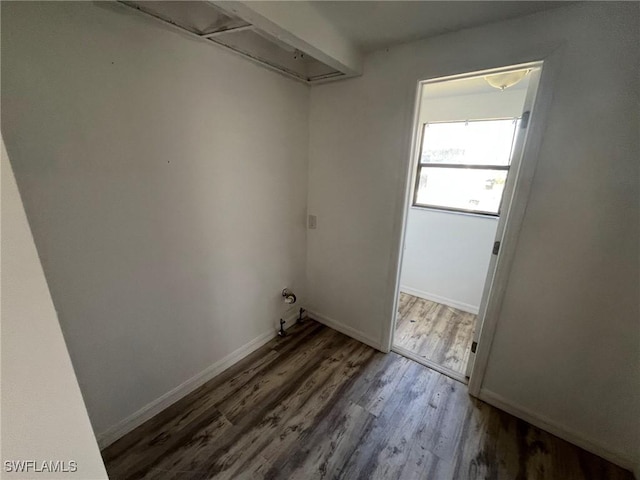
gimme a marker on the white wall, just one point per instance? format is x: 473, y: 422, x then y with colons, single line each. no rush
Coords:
x: 165, y: 183
x: 43, y: 416
x: 567, y: 346
x: 446, y: 254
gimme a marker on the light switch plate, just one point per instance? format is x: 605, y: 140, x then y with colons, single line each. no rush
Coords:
x: 312, y: 222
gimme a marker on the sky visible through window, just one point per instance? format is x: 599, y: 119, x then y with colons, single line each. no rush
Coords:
x: 487, y: 143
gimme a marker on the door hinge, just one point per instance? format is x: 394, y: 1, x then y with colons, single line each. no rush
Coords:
x: 474, y: 345
x: 496, y: 247
x: 524, y: 120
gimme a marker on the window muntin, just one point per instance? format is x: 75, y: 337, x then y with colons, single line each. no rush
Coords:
x: 464, y: 165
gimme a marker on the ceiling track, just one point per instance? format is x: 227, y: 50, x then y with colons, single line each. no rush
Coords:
x: 266, y: 63
x: 215, y: 38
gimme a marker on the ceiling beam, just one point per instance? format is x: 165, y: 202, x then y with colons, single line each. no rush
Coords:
x: 301, y: 27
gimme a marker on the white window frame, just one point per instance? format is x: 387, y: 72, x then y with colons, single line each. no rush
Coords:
x: 421, y: 165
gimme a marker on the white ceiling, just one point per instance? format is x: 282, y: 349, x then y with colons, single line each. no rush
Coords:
x: 372, y: 25
x: 334, y: 36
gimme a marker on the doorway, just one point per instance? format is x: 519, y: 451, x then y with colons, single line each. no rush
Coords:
x: 469, y: 139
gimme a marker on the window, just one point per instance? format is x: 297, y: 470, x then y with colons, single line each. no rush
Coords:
x: 464, y: 165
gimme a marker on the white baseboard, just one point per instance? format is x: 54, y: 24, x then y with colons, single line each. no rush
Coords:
x: 556, y: 429
x: 348, y: 331
x: 465, y: 307
x: 151, y: 409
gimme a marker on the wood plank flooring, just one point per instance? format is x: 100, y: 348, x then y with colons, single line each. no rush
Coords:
x: 436, y: 332
x: 319, y: 405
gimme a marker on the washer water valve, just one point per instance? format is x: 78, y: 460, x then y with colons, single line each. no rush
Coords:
x: 289, y: 296
x: 289, y: 299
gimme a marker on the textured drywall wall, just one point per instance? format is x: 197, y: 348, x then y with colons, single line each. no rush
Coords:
x: 44, y: 419
x: 567, y: 341
x: 165, y: 183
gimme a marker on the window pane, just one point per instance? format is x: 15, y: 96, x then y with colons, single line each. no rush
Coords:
x: 477, y: 143
x: 460, y: 188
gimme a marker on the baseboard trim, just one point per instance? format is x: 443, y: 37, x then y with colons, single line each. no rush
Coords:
x: 465, y: 307
x: 556, y: 429
x: 348, y: 331
x: 153, y: 408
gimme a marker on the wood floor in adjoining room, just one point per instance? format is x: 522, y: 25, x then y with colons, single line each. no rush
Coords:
x: 319, y: 405
x: 435, y: 332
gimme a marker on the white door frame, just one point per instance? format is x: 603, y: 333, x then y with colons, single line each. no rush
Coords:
x: 510, y: 221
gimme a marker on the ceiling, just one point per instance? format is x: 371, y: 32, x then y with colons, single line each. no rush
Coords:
x: 372, y: 25
x: 319, y: 41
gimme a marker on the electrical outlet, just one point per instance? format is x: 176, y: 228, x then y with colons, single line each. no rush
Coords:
x: 312, y: 222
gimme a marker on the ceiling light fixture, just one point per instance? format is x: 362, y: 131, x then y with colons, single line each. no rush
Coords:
x: 502, y: 81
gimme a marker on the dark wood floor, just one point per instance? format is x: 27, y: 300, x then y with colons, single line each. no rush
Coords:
x: 436, y: 332
x: 318, y: 404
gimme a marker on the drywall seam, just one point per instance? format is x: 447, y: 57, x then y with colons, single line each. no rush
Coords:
x: 465, y: 307
x: 156, y: 406
x: 556, y: 429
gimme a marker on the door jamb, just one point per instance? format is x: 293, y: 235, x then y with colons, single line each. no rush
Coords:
x: 514, y: 216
